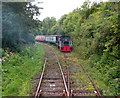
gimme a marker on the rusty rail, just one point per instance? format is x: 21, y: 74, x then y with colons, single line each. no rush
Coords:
x: 37, y: 93
x: 70, y: 92
x: 63, y: 76
x: 68, y: 88
x: 68, y: 80
x: 92, y: 82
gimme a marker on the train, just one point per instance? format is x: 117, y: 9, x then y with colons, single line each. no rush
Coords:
x: 63, y: 43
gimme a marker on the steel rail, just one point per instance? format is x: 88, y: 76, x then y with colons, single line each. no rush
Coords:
x: 38, y: 88
x: 92, y: 81
x: 61, y: 73
x: 68, y: 79
x: 62, y: 76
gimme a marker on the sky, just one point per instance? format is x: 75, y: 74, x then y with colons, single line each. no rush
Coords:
x: 57, y: 8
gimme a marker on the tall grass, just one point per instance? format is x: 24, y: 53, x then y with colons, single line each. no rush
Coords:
x: 19, y: 69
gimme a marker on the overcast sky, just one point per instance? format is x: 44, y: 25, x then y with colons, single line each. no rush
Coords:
x: 57, y: 8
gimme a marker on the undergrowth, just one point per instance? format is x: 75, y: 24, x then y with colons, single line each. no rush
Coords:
x: 100, y: 79
x: 19, y: 69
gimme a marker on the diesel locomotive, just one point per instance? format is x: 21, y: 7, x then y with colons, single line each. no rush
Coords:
x: 64, y: 43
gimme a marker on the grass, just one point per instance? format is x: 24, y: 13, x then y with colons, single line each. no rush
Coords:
x: 97, y: 78
x: 19, y: 69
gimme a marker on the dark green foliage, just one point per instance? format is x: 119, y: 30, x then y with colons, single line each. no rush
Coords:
x: 47, y: 26
x: 18, y: 24
x: 96, y: 35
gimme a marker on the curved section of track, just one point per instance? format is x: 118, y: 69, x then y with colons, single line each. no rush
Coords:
x: 73, y: 89
x: 37, y: 93
x: 52, y: 81
x: 57, y: 80
x: 66, y: 88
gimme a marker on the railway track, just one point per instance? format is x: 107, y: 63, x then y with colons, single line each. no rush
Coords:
x: 55, y: 80
x: 52, y: 81
x: 75, y: 90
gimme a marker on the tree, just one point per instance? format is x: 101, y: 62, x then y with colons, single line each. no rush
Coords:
x: 47, y: 24
x: 18, y: 23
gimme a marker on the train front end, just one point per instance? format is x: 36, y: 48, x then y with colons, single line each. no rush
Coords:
x: 65, y: 44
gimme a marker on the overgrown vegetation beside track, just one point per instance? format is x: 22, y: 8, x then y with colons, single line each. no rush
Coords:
x: 95, y: 33
x: 21, y: 61
x: 98, y: 78
x: 19, y: 69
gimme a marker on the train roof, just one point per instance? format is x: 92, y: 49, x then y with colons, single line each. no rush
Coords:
x: 49, y: 35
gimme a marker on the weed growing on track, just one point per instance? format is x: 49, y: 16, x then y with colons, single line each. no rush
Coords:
x: 97, y: 77
x: 19, y: 69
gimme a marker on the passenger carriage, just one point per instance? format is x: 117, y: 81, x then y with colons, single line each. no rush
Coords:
x: 64, y: 43
x: 40, y: 38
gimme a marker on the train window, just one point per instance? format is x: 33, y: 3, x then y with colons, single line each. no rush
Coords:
x: 66, y: 43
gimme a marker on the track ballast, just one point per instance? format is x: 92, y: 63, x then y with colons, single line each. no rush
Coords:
x: 52, y: 81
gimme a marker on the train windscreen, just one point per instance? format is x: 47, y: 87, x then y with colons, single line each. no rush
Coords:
x: 66, y: 43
